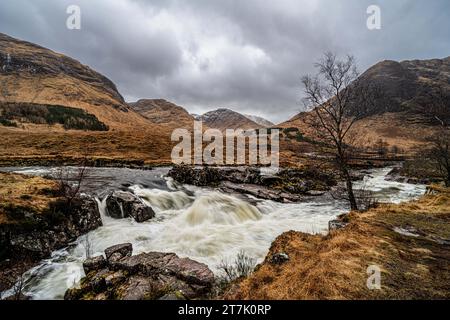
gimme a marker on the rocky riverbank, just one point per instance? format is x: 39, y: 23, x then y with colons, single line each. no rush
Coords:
x: 147, y: 276
x: 288, y: 185
x: 407, y: 243
x: 35, y: 221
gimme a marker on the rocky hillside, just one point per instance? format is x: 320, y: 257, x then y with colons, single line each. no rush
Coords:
x: 401, y: 117
x: 31, y: 74
x: 260, y: 120
x: 410, y: 86
x: 223, y: 119
x: 163, y: 112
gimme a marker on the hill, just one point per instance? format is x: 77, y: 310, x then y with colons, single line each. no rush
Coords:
x: 223, y: 119
x: 401, y: 117
x: 52, y: 106
x: 163, y: 112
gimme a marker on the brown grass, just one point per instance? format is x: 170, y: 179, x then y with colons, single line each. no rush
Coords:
x: 335, y: 266
x: 24, y: 191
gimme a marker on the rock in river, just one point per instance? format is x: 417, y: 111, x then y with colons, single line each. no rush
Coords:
x: 152, y: 275
x: 121, y: 204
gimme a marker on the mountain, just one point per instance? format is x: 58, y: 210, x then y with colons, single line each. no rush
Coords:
x: 408, y: 86
x: 163, y: 112
x: 401, y: 117
x: 54, y: 107
x: 260, y: 120
x: 31, y: 76
x: 223, y: 119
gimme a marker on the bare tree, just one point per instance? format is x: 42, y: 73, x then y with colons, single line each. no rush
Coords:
x: 18, y: 287
x: 70, y: 183
x: 338, y: 98
x: 440, y: 153
x: 381, y: 147
x: 436, y: 107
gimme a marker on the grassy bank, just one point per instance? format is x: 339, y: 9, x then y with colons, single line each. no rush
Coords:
x: 409, y: 242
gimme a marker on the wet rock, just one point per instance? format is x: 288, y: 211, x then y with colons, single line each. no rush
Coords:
x: 315, y: 193
x: 173, y: 296
x: 336, y: 225
x: 201, y: 177
x: 152, y: 275
x: 261, y: 192
x: 18, y: 297
x: 118, y: 252
x: 279, y: 258
x: 52, y: 230
x: 115, y: 278
x: 286, y: 186
x: 270, y: 180
x: 94, y: 264
x: 122, y: 204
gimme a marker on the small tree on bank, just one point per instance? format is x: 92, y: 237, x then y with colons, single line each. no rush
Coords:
x: 338, y: 98
x: 440, y: 153
x: 434, y: 107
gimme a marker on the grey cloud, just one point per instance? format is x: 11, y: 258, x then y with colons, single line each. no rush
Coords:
x: 246, y: 55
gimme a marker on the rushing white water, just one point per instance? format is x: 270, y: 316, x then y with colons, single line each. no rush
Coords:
x: 202, y: 224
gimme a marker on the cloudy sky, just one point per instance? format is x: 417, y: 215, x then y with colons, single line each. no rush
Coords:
x: 247, y: 55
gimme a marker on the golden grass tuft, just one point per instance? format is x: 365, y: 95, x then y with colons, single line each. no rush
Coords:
x: 24, y: 191
x: 335, y: 266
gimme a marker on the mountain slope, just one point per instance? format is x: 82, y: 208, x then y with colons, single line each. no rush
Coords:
x: 260, y: 120
x: 402, y: 116
x: 53, y: 109
x: 223, y: 119
x: 163, y: 112
x: 31, y: 74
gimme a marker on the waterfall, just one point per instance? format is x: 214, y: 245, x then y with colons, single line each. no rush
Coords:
x: 217, y: 208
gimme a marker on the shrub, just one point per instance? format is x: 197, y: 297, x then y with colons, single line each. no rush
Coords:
x: 242, y: 266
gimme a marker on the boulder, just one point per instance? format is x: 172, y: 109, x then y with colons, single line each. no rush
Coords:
x: 336, y: 225
x: 94, y: 264
x: 119, y: 251
x: 53, y: 230
x: 121, y: 204
x: 279, y: 258
x: 288, y: 185
x: 260, y: 192
x: 152, y: 275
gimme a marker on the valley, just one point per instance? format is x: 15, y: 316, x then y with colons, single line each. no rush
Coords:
x: 93, y: 205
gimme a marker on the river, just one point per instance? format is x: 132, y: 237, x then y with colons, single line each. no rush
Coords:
x: 200, y: 223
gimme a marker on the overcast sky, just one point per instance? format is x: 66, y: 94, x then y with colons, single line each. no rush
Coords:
x: 247, y: 55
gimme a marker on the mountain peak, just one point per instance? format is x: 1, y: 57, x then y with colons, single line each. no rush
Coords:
x: 224, y: 118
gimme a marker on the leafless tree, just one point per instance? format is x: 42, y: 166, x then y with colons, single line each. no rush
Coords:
x: 381, y: 147
x: 338, y: 98
x: 70, y: 182
x: 440, y: 153
x: 18, y: 287
x: 436, y: 107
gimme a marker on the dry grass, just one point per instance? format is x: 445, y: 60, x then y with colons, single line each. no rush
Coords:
x: 396, y: 129
x: 24, y: 191
x: 335, y: 266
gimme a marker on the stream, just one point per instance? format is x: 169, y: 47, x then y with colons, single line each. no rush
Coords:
x: 200, y: 223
